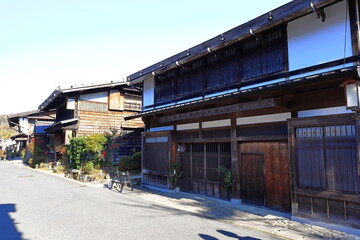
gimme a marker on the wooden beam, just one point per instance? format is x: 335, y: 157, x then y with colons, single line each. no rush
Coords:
x: 260, y: 104
x: 354, y: 25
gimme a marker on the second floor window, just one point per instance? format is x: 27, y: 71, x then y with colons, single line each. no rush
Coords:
x: 256, y: 56
x: 263, y: 54
x: 166, y: 86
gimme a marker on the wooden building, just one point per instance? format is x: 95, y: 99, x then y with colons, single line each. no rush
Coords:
x: 95, y: 108
x: 29, y: 125
x: 266, y: 100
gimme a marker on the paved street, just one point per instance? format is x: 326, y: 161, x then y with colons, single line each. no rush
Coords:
x: 35, y: 205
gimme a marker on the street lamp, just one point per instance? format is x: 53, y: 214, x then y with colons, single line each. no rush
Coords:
x: 352, y: 94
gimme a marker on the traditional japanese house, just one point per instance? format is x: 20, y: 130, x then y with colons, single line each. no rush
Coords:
x: 29, y: 125
x: 95, y: 108
x: 266, y: 100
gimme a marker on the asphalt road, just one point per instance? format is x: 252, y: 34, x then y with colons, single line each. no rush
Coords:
x: 35, y: 205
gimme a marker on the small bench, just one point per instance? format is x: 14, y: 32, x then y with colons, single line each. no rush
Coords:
x: 119, y: 180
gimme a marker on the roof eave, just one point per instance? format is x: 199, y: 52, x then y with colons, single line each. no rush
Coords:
x: 344, y: 72
x: 280, y: 15
x: 55, y: 94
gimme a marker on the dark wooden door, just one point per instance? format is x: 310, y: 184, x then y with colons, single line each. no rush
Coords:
x: 252, y: 185
x: 264, y: 173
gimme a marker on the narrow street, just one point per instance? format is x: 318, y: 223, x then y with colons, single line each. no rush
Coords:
x: 38, y: 205
x: 34, y: 205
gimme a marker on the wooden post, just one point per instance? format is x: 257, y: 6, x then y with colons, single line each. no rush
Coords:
x: 234, y: 161
x: 354, y: 15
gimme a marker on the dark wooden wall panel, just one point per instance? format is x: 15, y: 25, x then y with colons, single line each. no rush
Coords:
x: 156, y: 157
x: 336, y: 199
x: 252, y: 187
x: 276, y: 172
x: 63, y: 114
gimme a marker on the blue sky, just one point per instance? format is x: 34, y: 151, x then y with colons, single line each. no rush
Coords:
x: 47, y: 43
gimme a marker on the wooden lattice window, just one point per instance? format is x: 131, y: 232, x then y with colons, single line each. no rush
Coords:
x: 264, y: 54
x: 221, y: 68
x: 165, y: 86
x: 327, y: 158
x: 190, y: 78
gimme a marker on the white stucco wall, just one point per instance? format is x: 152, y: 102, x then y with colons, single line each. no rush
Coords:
x: 323, y: 112
x: 24, y: 125
x: 95, y: 97
x: 312, y: 42
x: 148, y: 92
x: 278, y: 117
x: 217, y: 123
x: 187, y: 126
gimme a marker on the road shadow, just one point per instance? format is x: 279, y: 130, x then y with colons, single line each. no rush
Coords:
x: 7, y: 225
x: 214, y: 207
x: 227, y: 234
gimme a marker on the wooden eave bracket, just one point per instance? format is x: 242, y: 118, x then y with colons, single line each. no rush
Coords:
x: 319, y: 12
x: 347, y: 81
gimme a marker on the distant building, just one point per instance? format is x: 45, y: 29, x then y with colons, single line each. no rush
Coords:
x: 95, y: 108
x: 28, y: 125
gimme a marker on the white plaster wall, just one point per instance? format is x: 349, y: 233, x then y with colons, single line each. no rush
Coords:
x: 70, y: 103
x: 148, y: 92
x: 312, y: 42
x: 95, y: 97
x: 188, y: 126
x: 323, y: 112
x: 279, y: 117
x: 218, y: 123
x: 24, y: 125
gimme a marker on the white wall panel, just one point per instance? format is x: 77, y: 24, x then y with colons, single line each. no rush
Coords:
x: 95, y: 97
x: 279, y: 117
x: 148, y: 92
x: 188, y: 126
x: 218, y: 123
x: 24, y: 125
x: 313, y: 42
x: 323, y: 112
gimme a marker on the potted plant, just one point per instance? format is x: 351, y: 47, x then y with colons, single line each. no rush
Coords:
x: 227, y: 179
x: 175, y: 174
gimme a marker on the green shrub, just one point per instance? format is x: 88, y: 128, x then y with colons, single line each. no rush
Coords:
x: 175, y: 174
x: 59, y: 169
x: 44, y: 165
x: 227, y: 178
x: 137, y: 161
x: 87, y: 149
x: 32, y: 163
x: 125, y: 163
x: 88, y: 167
x: 14, y: 154
x: 23, y: 153
x: 40, y: 159
x: 131, y: 164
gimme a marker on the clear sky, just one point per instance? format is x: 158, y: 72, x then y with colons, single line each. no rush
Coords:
x: 48, y: 43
